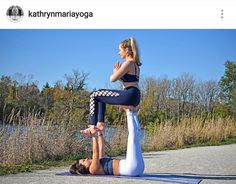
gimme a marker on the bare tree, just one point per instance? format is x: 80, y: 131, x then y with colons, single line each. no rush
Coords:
x: 183, y: 93
x: 76, y: 81
x: 164, y: 95
x: 207, y: 95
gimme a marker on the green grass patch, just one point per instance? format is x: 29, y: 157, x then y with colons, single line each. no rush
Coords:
x: 231, y: 140
x: 59, y: 162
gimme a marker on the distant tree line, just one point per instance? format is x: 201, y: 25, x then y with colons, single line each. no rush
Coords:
x: 61, y: 102
x: 162, y: 98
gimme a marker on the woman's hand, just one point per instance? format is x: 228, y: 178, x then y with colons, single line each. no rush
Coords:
x: 119, y: 70
x: 117, y: 65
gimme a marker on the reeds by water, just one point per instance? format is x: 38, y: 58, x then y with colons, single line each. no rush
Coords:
x: 32, y: 138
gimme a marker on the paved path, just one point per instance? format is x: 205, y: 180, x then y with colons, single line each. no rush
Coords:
x: 216, y: 164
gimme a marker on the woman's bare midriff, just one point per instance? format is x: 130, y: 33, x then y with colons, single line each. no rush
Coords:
x: 116, y: 167
x: 129, y: 84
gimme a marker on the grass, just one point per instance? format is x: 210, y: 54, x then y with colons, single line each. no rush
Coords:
x: 189, y: 132
x: 70, y: 159
x: 44, y: 144
x: 230, y: 140
x: 39, y: 165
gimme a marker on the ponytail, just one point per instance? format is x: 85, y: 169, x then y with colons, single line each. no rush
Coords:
x: 135, y: 51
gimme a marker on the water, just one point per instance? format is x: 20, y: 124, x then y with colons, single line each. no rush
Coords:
x: 109, y: 133
x: 10, y: 128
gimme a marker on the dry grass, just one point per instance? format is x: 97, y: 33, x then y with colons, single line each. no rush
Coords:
x: 34, y: 139
x: 118, y: 142
x: 189, y: 131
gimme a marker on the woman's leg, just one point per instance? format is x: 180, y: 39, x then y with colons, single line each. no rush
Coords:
x: 99, y: 99
x: 133, y: 165
x: 136, y: 120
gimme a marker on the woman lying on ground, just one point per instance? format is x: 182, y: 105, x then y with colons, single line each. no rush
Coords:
x: 132, y: 165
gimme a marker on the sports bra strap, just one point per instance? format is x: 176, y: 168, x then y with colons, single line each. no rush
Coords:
x: 135, y: 67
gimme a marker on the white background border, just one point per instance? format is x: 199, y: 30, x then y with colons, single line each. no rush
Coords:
x: 113, y: 14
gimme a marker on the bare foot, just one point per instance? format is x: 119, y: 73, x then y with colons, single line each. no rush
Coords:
x: 91, y: 130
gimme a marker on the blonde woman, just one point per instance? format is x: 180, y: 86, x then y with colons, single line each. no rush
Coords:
x: 126, y: 72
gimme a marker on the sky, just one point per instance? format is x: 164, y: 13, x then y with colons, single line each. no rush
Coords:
x: 48, y: 55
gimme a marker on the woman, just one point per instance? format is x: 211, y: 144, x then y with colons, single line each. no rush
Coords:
x: 132, y: 165
x: 128, y: 74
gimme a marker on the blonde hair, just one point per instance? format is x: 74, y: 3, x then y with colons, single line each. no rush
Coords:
x: 132, y: 47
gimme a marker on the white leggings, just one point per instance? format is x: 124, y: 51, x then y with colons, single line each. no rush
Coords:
x: 133, y: 165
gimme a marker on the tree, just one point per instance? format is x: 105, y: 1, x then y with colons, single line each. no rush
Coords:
x: 182, y: 91
x: 228, y: 87
x: 47, y: 97
x: 207, y: 96
x: 76, y: 81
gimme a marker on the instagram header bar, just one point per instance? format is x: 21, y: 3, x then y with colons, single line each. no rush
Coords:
x: 103, y: 14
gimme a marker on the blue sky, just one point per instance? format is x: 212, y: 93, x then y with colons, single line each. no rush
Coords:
x: 50, y: 54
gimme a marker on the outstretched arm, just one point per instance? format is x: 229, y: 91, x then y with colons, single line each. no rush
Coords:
x: 95, y: 161
x: 101, y: 145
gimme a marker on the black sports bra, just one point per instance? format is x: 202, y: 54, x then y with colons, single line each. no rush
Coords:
x: 130, y: 77
x: 107, y: 165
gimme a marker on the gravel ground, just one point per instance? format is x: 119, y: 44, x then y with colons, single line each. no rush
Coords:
x: 215, y: 164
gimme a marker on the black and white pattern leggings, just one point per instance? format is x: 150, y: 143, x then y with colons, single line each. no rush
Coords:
x: 98, y: 100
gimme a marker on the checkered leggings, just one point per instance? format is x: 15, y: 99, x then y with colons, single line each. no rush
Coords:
x: 101, y: 97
